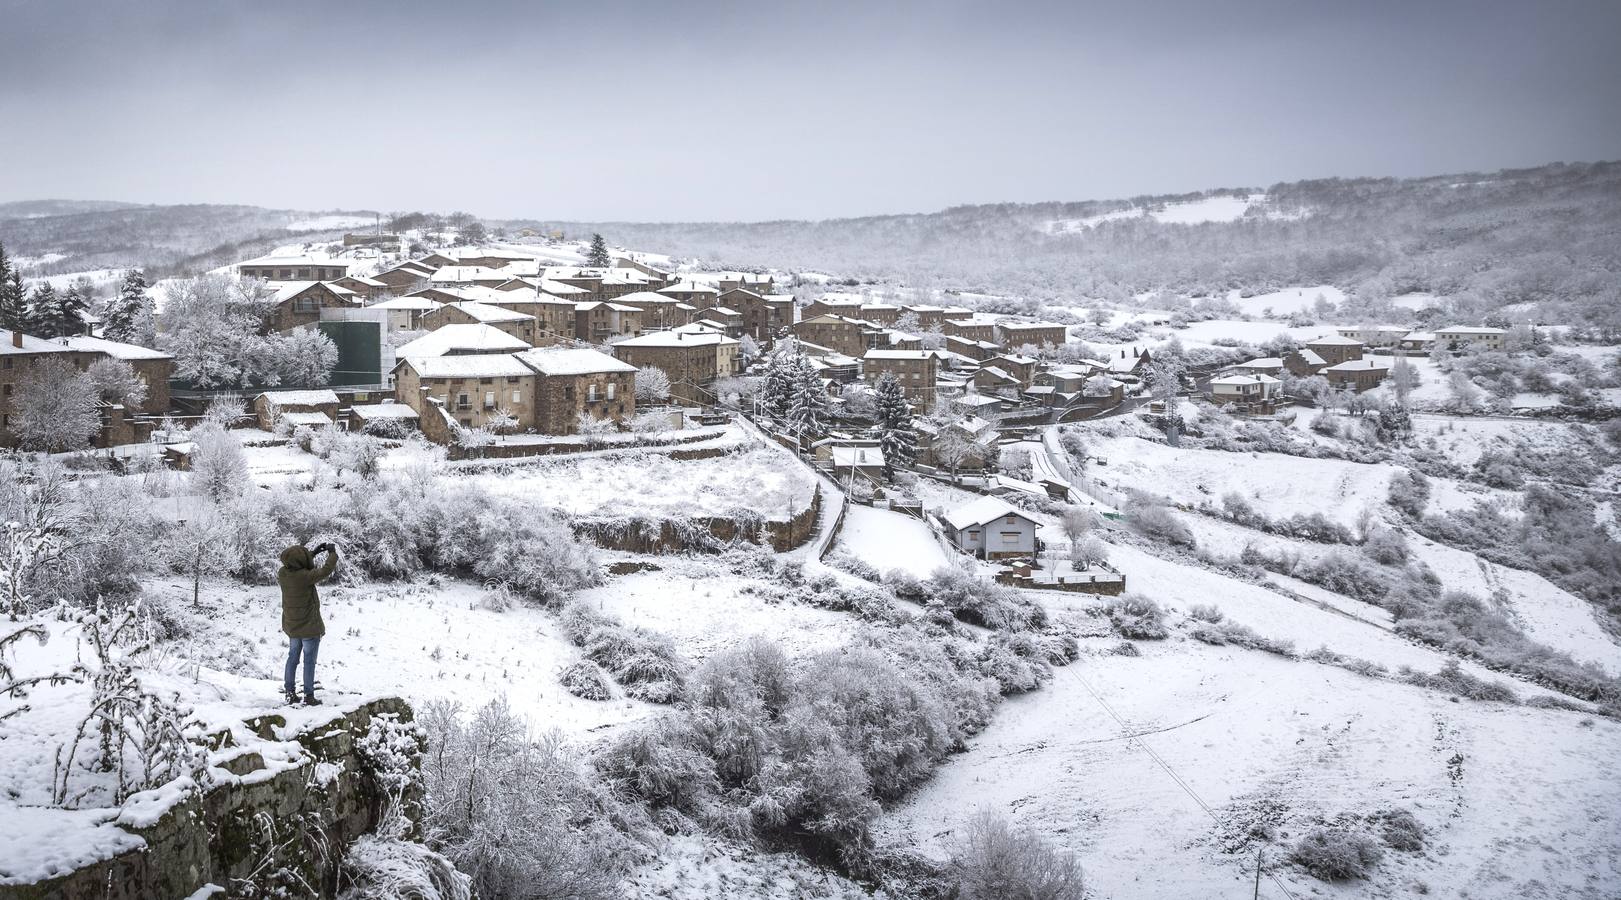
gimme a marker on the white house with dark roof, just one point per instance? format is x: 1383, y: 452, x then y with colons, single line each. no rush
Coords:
x: 991, y: 528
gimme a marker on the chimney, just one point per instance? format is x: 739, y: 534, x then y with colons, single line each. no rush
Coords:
x: 17, y: 339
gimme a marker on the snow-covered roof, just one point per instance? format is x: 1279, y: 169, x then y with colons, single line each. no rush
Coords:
x: 307, y: 419
x: 115, y: 349
x: 898, y: 354
x: 1242, y: 380
x: 1017, y: 360
x: 458, y: 274
x: 301, y: 259
x: 997, y: 373
x: 1359, y: 365
x: 414, y: 302
x: 1419, y: 336
x: 1333, y: 340
x: 689, y: 287
x: 487, y: 313
x: 1265, y: 362
x: 1469, y: 329
x: 472, y: 365
x: 678, y: 338
x: 645, y: 297
x: 386, y: 410
x: 299, y: 398
x: 1124, y: 364
x: 982, y: 511
x: 1029, y: 325
x: 464, y: 337
x: 848, y: 457
x: 1312, y: 357
x: 30, y: 344
x: 565, y: 361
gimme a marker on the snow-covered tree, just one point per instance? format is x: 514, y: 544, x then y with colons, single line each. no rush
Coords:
x: 59, y: 313
x: 781, y: 379
x: 303, y: 357
x: 54, y: 408
x: 1077, y: 523
x: 39, y: 310
x: 1097, y: 386
x: 117, y: 382
x: 13, y: 301
x: 597, y: 256
x: 652, y: 385
x: 897, y: 435
x: 748, y: 350
x: 211, y: 324
x: 131, y: 316
x: 219, y: 468
x: 1090, y: 551
x: 593, y: 429
x: 808, y: 413
x: 953, y: 446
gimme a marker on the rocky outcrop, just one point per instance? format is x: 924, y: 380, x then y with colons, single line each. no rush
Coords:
x: 278, y: 811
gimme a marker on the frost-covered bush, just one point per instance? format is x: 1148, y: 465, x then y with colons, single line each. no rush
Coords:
x: 1137, y: 617
x: 992, y: 860
x: 644, y: 663
x: 1161, y: 524
x: 1409, y: 492
x: 1349, y: 663
x: 1386, y: 546
x: 586, y: 680
x: 1452, y: 679
x: 860, y: 568
x: 1346, y: 574
x: 384, y: 866
x: 523, y: 817
x: 1334, y: 854
x: 977, y: 600
x: 1219, y: 633
x: 1401, y: 830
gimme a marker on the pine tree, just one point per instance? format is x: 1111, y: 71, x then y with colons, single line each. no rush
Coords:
x: 896, y: 435
x: 780, y: 387
x: 12, y: 302
x: 808, y: 412
x: 71, y: 307
x: 597, y: 256
x: 130, y: 316
x: 40, y: 313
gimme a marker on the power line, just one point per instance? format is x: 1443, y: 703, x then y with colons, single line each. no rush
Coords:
x: 1180, y: 782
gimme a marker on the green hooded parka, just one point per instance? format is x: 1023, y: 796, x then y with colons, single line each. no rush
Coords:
x: 300, y: 602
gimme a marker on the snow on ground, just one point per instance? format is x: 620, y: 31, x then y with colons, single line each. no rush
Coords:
x: 1288, y: 300
x: 1210, y: 332
x: 890, y: 540
x: 1187, y: 212
x: 650, y: 483
x: 1416, y: 300
x: 98, y: 278
x: 1277, y: 485
x: 428, y: 641
x: 331, y: 222
x: 1546, y: 612
x: 705, y: 609
x: 1519, y: 802
x: 696, y: 867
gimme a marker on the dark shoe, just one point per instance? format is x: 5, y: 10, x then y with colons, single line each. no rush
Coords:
x: 290, y: 698
x: 311, y: 701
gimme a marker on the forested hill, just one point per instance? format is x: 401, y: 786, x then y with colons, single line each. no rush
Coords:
x: 58, y: 236
x: 1549, y: 236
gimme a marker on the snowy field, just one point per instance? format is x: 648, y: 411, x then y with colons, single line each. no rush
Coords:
x: 763, y: 480
x: 889, y: 540
x: 1288, y: 300
x: 1189, y: 212
x: 331, y: 222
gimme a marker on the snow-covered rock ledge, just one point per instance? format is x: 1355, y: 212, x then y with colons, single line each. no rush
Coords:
x: 284, y: 792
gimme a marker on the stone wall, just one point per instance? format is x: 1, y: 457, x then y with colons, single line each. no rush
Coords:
x: 702, y: 534
x: 288, y: 826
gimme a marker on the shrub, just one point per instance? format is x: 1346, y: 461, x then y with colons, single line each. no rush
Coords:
x: 993, y: 860
x: 1452, y: 679
x: 1386, y: 546
x: 1409, y: 492
x: 1240, y: 636
x: 1333, y: 854
x: 982, y: 602
x: 586, y: 680
x: 1355, y: 664
x: 1137, y: 617
x: 1161, y: 524
x: 1400, y: 830
x: 645, y: 664
x: 1205, y: 612
x: 860, y: 568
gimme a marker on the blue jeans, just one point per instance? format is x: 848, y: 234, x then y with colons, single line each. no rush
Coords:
x: 308, y: 647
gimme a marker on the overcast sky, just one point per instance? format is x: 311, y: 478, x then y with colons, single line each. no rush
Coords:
x: 709, y: 109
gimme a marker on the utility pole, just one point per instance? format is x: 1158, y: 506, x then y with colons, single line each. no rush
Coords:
x: 1258, y: 874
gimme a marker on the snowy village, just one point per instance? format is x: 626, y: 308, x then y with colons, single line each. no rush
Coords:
x: 702, y: 516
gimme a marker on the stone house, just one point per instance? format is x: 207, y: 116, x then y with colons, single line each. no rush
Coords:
x: 271, y: 406
x: 1038, y: 334
x: 692, y: 360
x: 1022, y: 368
x: 302, y: 267
x: 702, y: 296
x: 1357, y: 374
x: 600, y: 321
x: 19, y: 354
x: 1374, y: 335
x: 659, y: 312
x: 837, y: 333
x: 554, y: 316
x: 461, y: 340
x: 472, y: 390
x: 764, y: 315
x: 993, y: 379
x: 404, y: 278
x: 1303, y: 363
x: 520, y: 325
x: 1250, y: 391
x: 570, y: 383
x: 916, y: 370
x: 974, y: 328
x: 154, y: 367
x: 405, y: 313
x: 365, y: 289
x: 1460, y: 336
x: 1335, y: 349
x: 299, y: 303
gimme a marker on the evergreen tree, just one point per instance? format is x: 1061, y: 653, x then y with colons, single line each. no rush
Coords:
x: 129, y: 317
x: 597, y: 256
x: 780, y: 386
x: 40, y: 314
x: 12, y: 301
x: 896, y: 435
x: 71, y: 307
x: 808, y: 413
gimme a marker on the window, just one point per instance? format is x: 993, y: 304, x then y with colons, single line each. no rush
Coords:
x: 489, y: 399
x: 1010, y: 520
x: 610, y: 390
x: 517, y: 396
x: 462, y: 401
x: 591, y: 393
x: 1010, y: 538
x: 486, y: 381
x: 973, y: 535
x: 7, y: 390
